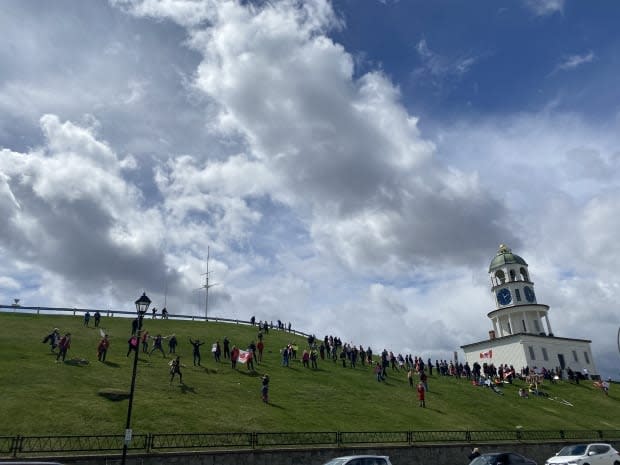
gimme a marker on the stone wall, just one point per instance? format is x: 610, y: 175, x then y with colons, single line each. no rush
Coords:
x: 451, y: 454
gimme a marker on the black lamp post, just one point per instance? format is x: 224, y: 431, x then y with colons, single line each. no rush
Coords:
x: 142, y: 305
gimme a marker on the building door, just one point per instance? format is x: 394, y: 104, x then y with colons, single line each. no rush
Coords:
x: 561, y: 360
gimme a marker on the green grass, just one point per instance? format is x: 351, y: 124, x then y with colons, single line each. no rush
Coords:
x: 39, y: 396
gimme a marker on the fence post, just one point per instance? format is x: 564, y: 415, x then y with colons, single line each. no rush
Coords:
x: 254, y: 440
x: 468, y: 436
x: 14, y: 446
x: 562, y: 434
x: 410, y: 437
x: 338, y: 439
x: 150, y: 440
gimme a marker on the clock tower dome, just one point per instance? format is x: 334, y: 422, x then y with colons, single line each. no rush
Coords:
x: 516, y: 309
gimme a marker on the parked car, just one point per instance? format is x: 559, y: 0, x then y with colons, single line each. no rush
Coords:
x: 360, y: 460
x: 586, y: 454
x: 502, y: 458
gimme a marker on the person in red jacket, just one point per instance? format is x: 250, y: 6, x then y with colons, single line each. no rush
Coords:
x: 102, y: 348
x: 63, y: 346
x: 234, y: 356
x: 421, y: 393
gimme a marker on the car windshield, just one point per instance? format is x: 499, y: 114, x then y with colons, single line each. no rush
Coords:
x: 579, y: 449
x: 487, y: 459
x: 336, y: 462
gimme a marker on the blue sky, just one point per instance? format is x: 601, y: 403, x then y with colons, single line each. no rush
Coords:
x: 352, y: 166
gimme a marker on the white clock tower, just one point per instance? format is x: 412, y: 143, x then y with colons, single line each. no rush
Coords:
x: 516, y: 310
x: 521, y: 334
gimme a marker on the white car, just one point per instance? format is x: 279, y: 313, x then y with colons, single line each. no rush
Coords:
x: 586, y: 454
x: 361, y: 460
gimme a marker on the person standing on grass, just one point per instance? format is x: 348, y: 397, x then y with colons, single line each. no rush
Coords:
x: 97, y: 316
x: 424, y: 380
x: 102, y: 348
x: 175, y: 369
x: 226, y: 343
x: 234, y: 356
x: 145, y: 342
x: 63, y: 347
x: 133, y: 344
x: 86, y: 318
x: 157, y: 345
x: 53, y: 338
x: 265, y: 388
x: 172, y: 344
x: 410, y: 377
x: 260, y: 347
x: 421, y: 395
x: 250, y: 361
x: 196, y: 351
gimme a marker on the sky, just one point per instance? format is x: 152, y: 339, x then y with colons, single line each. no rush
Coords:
x: 350, y: 166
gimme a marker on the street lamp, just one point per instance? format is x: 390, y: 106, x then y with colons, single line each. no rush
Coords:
x: 142, y: 305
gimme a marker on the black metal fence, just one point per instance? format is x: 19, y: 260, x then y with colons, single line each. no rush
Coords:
x: 14, y: 446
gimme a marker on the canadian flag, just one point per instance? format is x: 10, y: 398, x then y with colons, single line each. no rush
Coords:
x: 487, y: 354
x: 244, y: 356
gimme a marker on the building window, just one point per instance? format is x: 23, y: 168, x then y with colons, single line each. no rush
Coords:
x: 545, y: 356
x: 512, y: 275
x: 518, y: 295
x: 532, y: 355
x: 575, y: 358
x: 524, y: 328
x: 537, y: 326
x: 585, y: 355
x: 508, y: 328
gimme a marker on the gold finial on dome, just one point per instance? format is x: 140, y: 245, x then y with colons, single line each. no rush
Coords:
x: 503, y: 248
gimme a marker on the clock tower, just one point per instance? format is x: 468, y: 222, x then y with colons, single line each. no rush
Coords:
x: 516, y: 309
x: 521, y: 335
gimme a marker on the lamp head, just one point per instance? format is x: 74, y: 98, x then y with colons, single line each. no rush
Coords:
x: 142, y: 304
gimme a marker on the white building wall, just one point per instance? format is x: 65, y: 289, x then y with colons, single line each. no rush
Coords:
x: 516, y: 352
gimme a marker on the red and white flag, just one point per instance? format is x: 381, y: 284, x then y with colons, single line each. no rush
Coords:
x: 244, y: 356
x: 487, y: 354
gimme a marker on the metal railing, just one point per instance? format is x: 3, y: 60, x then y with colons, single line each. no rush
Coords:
x: 109, y: 313
x: 14, y: 446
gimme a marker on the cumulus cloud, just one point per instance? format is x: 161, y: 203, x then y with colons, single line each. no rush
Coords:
x: 249, y: 132
x: 73, y: 213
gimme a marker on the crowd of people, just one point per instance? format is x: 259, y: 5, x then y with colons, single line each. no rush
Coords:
x: 329, y: 349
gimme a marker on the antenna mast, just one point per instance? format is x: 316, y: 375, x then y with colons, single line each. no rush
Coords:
x: 206, y: 286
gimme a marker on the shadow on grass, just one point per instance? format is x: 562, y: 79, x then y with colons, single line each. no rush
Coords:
x: 204, y: 369
x: 111, y: 364
x: 185, y: 389
x: 113, y: 394
x: 77, y: 362
x: 252, y: 373
x: 271, y: 404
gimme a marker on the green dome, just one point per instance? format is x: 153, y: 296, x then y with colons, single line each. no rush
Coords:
x: 505, y: 257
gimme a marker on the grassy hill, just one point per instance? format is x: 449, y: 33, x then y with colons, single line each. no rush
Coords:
x: 40, y: 396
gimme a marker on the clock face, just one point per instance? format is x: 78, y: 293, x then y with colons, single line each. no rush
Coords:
x: 529, y: 294
x: 504, y: 297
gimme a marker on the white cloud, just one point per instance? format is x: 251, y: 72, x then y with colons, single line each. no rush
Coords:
x: 575, y: 61
x: 245, y: 128
x: 439, y: 67
x: 545, y: 7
